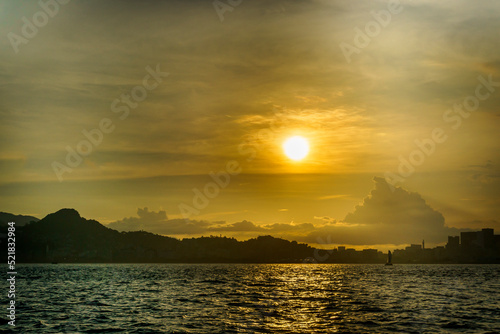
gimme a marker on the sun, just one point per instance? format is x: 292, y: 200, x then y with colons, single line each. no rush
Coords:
x: 296, y: 148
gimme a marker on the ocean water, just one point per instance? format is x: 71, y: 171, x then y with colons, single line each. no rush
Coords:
x: 253, y: 298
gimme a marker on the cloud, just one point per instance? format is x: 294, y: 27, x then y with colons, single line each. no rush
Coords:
x: 488, y: 173
x: 158, y: 222
x: 247, y: 226
x: 145, y: 214
x: 243, y: 226
x: 290, y: 228
x: 146, y: 219
x: 326, y: 219
x: 388, y: 216
x: 321, y: 198
x: 386, y: 206
x: 223, y: 84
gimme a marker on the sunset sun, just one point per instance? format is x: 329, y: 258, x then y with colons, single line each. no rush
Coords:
x: 296, y: 148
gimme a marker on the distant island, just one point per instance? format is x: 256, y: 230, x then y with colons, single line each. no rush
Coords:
x: 66, y: 237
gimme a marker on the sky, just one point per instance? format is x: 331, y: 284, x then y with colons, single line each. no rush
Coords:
x: 169, y: 116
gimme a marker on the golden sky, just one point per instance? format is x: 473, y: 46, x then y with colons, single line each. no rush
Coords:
x: 168, y: 92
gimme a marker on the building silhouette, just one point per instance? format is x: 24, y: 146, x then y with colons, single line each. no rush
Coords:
x: 470, y: 247
x: 483, y: 239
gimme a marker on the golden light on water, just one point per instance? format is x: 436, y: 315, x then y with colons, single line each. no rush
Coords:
x: 296, y: 148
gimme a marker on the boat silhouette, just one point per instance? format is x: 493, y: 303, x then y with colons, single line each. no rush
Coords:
x: 389, y: 259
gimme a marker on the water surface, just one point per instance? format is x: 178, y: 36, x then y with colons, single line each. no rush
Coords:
x: 243, y: 298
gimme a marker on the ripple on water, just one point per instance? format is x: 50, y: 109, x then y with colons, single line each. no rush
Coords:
x: 175, y: 298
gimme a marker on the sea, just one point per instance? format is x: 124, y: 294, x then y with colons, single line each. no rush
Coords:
x: 255, y: 298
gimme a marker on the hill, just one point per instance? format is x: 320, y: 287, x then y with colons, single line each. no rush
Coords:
x: 20, y: 220
x: 65, y: 236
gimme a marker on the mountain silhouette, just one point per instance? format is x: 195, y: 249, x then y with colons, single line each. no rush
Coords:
x: 65, y: 236
x: 20, y: 220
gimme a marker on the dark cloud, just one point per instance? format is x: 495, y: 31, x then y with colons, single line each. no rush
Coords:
x: 243, y: 226
x: 158, y: 222
x: 146, y: 220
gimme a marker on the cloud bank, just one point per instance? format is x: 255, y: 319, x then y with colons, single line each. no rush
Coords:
x: 386, y: 216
